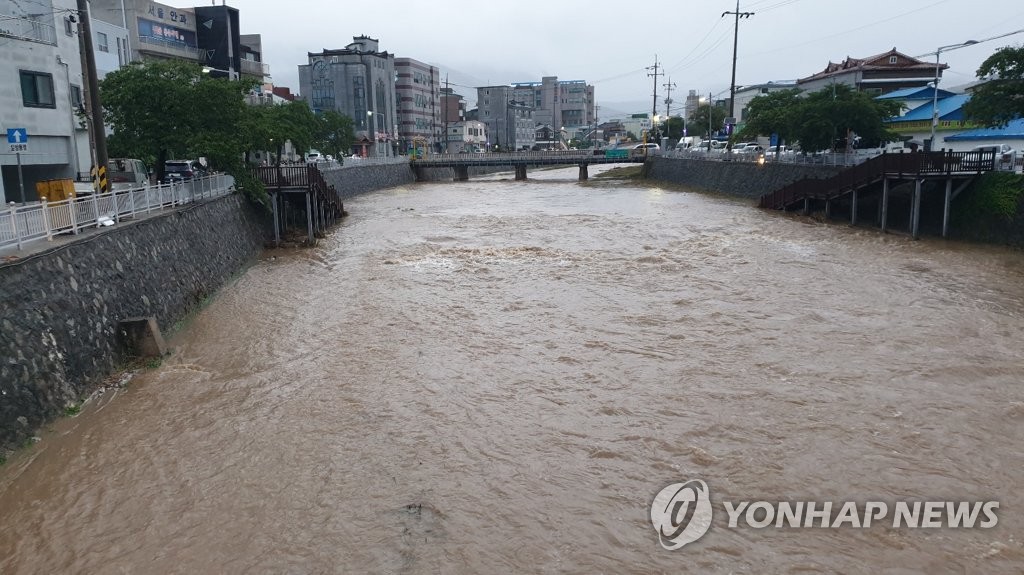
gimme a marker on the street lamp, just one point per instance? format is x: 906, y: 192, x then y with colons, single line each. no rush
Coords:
x: 935, y: 87
x: 232, y: 75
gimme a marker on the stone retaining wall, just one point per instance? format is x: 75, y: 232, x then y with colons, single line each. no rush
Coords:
x: 743, y: 179
x: 361, y: 179
x: 61, y: 307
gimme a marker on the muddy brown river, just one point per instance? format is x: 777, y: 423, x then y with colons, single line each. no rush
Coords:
x: 498, y: 377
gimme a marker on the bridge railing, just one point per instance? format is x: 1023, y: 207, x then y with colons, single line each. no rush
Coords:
x: 914, y: 164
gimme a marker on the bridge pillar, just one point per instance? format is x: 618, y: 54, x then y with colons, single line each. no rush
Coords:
x: 807, y: 206
x: 277, y: 219
x: 417, y: 173
x: 828, y: 209
x: 885, y: 204
x: 915, y: 210
x: 853, y: 209
x: 520, y: 172
x: 309, y: 217
x: 583, y: 173
x: 946, y: 206
x: 461, y: 173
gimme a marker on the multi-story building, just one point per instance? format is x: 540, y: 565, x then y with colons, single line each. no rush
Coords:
x: 40, y: 93
x: 561, y: 104
x: 418, y: 95
x: 510, y: 122
x: 359, y: 82
x: 876, y: 75
x: 453, y: 108
x: 467, y: 136
x: 207, y: 35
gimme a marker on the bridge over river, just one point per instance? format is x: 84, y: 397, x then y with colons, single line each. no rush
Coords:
x: 520, y: 161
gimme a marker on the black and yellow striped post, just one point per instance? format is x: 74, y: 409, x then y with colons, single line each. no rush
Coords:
x: 101, y: 179
x: 93, y: 178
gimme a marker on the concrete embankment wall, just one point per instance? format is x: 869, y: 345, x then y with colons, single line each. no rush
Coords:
x: 361, y: 179
x: 743, y: 179
x: 60, y: 308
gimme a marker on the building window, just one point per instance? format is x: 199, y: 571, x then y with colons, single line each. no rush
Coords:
x: 37, y: 90
x: 76, y: 97
x: 101, y: 42
x: 892, y: 59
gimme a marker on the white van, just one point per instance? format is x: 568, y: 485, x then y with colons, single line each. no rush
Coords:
x: 313, y: 156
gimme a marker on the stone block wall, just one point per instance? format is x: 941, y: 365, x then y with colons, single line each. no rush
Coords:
x: 743, y: 179
x: 60, y: 308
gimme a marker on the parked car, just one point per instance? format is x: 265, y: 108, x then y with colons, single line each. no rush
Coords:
x: 747, y: 148
x: 782, y: 150
x: 175, y: 170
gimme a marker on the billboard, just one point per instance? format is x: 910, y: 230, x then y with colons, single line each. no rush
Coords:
x: 216, y: 30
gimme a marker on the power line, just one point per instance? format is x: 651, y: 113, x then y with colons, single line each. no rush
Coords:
x: 655, y: 74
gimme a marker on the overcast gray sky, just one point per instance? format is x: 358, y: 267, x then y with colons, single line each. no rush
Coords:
x: 610, y: 43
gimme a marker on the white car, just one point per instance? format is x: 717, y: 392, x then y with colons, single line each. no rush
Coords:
x: 648, y: 147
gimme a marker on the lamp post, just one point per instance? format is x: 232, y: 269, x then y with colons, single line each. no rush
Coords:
x: 371, y: 131
x: 232, y: 75
x: 935, y: 87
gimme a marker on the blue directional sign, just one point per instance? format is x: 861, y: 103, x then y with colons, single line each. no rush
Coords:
x: 17, y: 136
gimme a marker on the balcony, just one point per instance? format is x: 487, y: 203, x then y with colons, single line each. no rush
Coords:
x: 163, y: 47
x: 254, y: 68
x: 29, y: 28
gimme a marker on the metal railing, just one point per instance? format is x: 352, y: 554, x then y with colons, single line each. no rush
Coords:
x: 42, y: 220
x: 28, y: 28
x: 914, y: 164
x: 255, y: 68
x: 168, y: 46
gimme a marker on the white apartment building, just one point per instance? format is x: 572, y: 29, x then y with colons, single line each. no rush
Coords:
x: 467, y: 136
x: 40, y: 91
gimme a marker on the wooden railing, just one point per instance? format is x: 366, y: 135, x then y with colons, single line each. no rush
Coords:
x: 914, y: 164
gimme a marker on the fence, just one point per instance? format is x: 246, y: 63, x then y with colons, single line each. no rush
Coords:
x: 43, y: 220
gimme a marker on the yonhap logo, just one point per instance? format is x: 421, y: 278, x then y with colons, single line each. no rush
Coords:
x: 681, y: 513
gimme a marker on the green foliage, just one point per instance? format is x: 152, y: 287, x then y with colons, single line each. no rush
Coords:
x: 335, y: 133
x: 818, y: 119
x: 72, y: 409
x: 3, y: 458
x: 772, y: 113
x: 161, y: 110
x: 995, y: 194
x: 674, y: 127
x: 698, y: 124
x: 999, y: 100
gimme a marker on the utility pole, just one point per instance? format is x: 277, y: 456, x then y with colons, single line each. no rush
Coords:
x: 93, y: 98
x: 735, y: 44
x: 669, y: 86
x: 655, y: 74
x: 447, y: 100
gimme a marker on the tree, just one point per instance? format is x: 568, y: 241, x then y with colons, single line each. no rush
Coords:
x: 674, y: 127
x: 772, y: 113
x: 335, y: 133
x: 829, y: 114
x: 163, y: 110
x: 1001, y: 99
x: 698, y: 123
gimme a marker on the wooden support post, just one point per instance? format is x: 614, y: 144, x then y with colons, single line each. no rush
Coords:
x: 583, y: 173
x: 946, y: 207
x: 915, y: 210
x: 853, y: 209
x: 828, y: 209
x: 885, y: 203
x: 309, y: 217
x: 807, y: 206
x: 277, y: 219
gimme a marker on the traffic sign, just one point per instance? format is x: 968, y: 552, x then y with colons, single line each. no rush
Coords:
x: 17, y: 136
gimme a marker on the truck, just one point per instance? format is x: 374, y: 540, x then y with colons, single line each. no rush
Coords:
x: 122, y: 174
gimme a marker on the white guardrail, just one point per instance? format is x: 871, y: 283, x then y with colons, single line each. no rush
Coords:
x: 42, y: 220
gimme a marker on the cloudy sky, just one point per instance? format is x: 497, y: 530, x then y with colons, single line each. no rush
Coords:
x: 610, y: 44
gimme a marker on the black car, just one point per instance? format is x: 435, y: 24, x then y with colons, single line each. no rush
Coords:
x: 175, y: 170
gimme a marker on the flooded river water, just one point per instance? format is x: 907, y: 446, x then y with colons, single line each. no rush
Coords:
x: 499, y: 377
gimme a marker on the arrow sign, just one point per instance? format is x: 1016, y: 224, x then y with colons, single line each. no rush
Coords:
x: 17, y: 136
